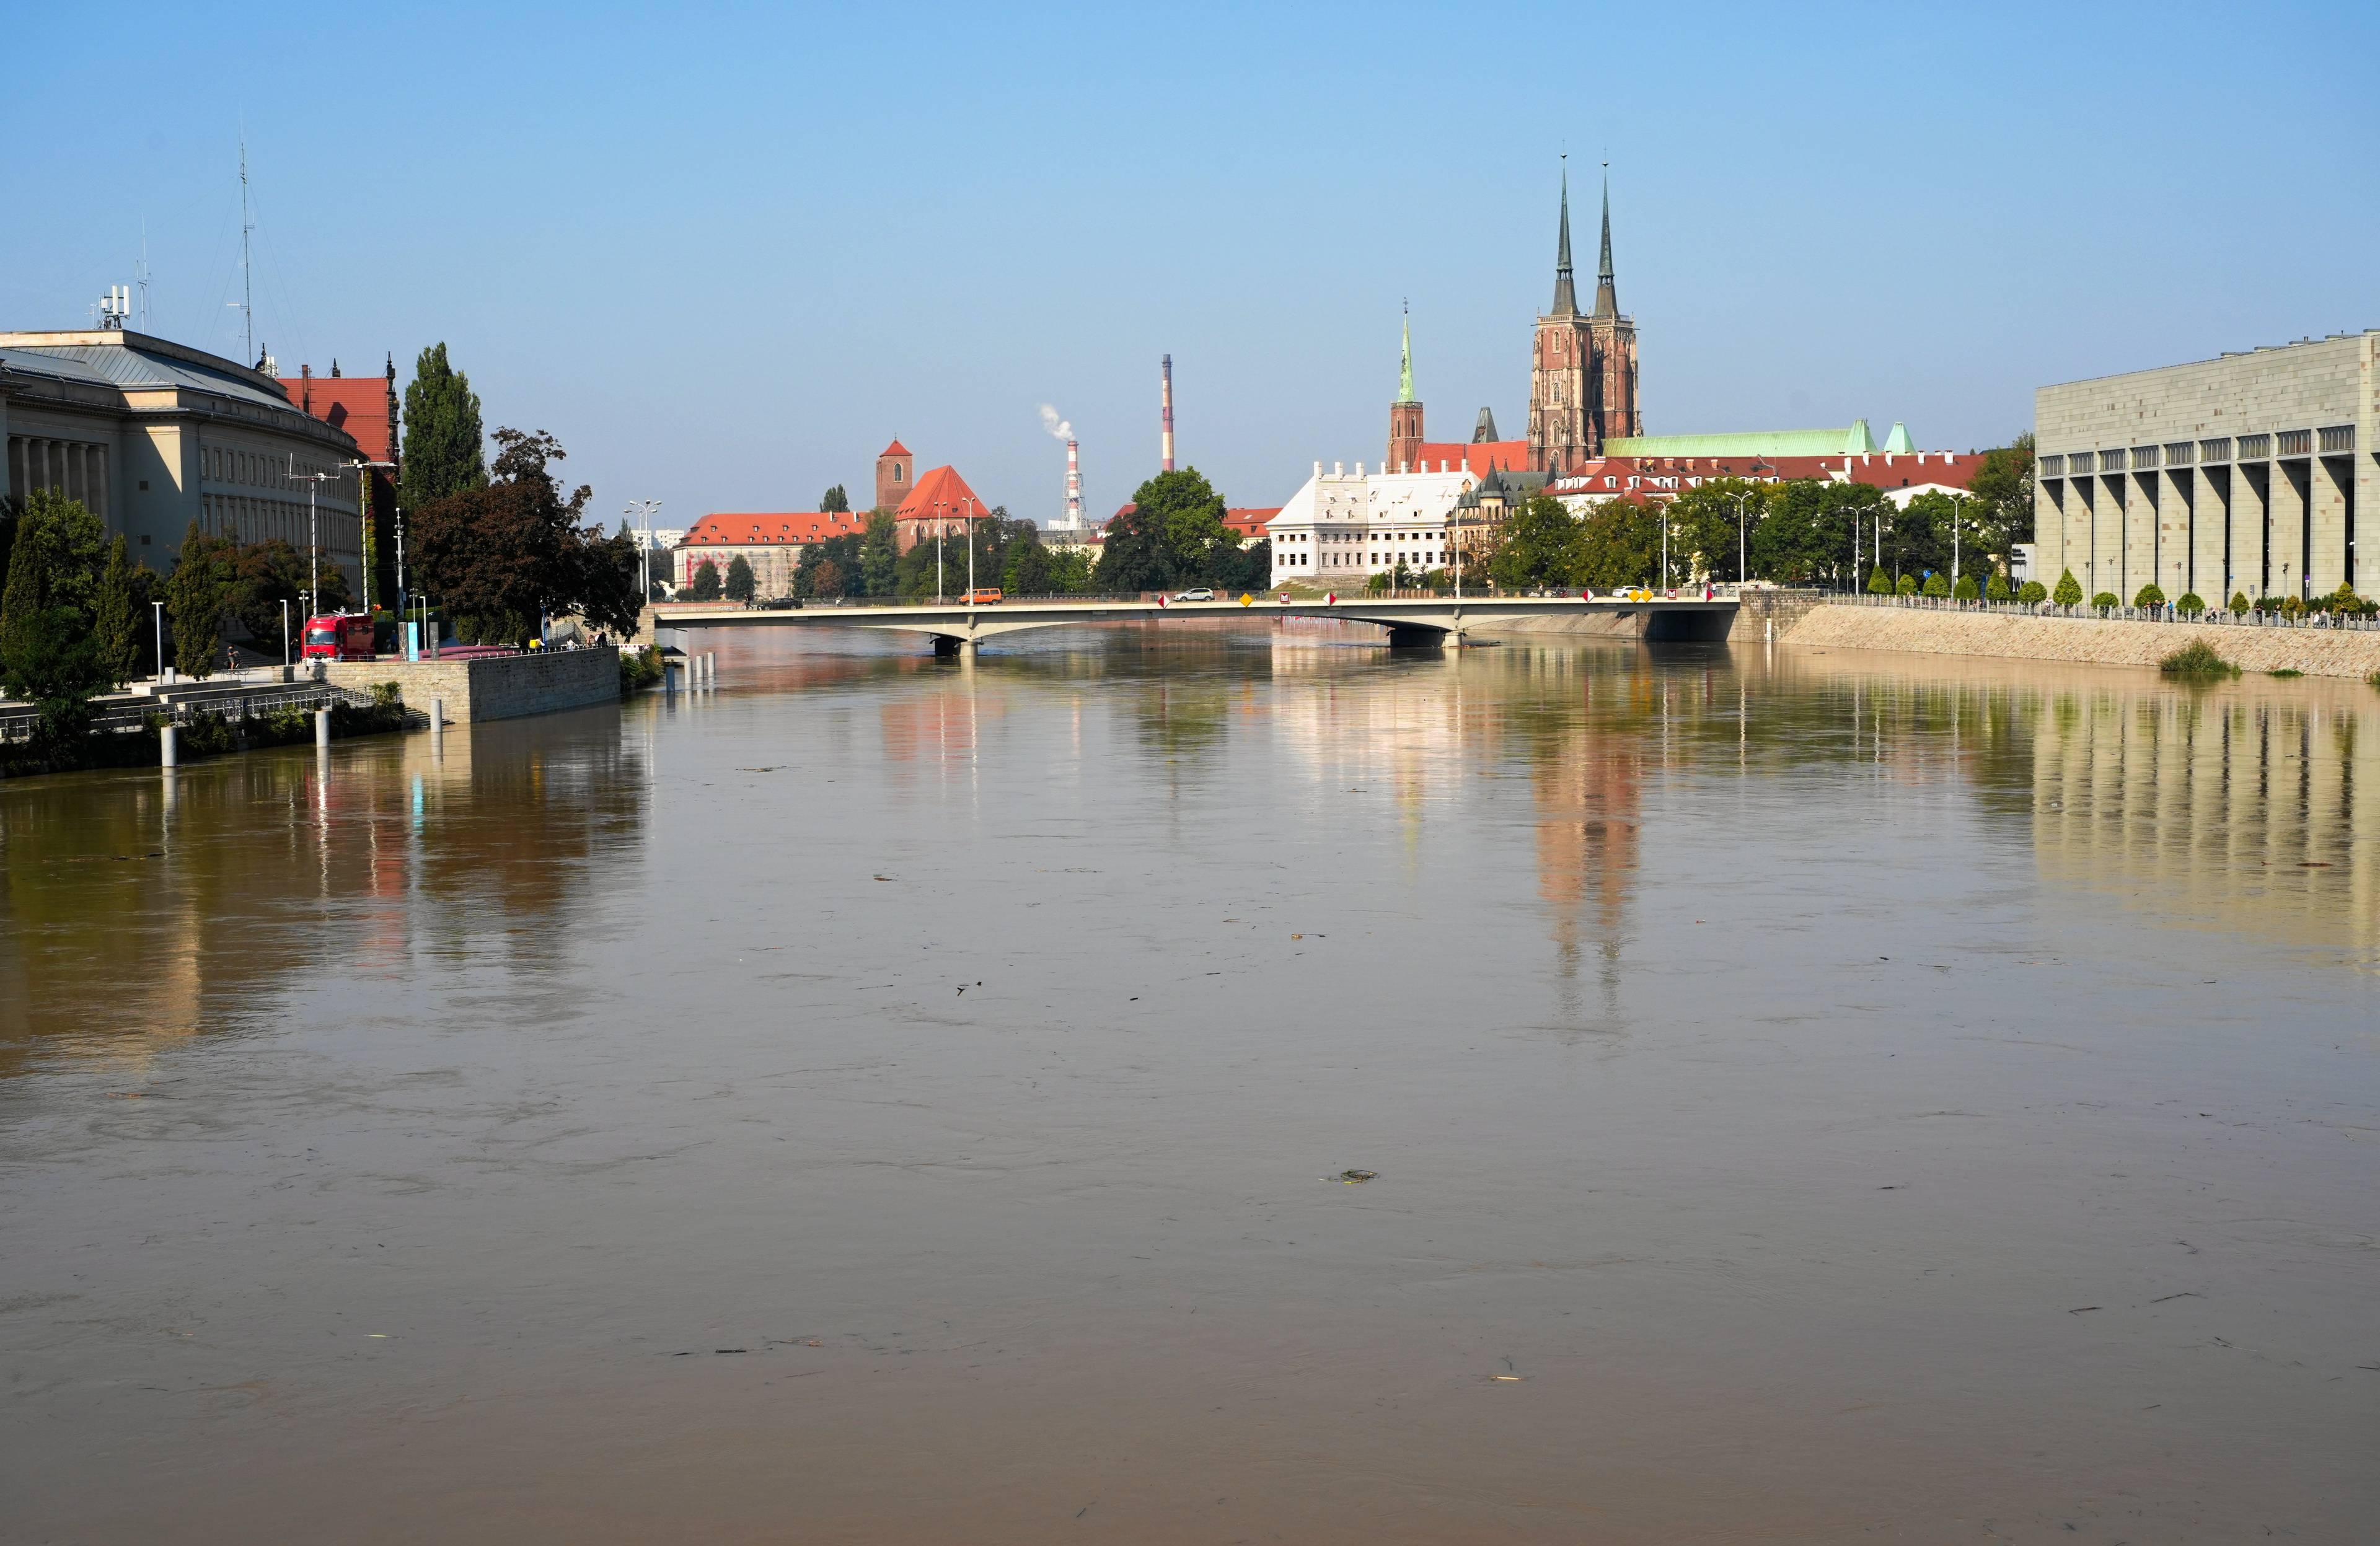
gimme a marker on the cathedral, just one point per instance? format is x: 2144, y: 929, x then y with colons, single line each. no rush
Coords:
x: 1582, y: 382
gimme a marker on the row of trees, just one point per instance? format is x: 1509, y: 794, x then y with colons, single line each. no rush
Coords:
x: 1800, y: 532
x: 1173, y: 535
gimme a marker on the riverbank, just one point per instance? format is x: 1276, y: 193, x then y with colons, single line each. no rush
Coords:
x: 2080, y: 640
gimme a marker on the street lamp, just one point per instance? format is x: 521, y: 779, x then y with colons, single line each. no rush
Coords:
x: 1742, y: 566
x: 941, y: 512
x: 160, y: 607
x: 970, y: 537
x: 313, y: 482
x: 644, y: 509
x: 284, y: 633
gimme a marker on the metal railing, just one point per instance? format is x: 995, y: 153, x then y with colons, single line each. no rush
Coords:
x: 234, y: 701
x: 2214, y: 617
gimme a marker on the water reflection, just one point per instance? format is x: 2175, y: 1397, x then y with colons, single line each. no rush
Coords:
x: 140, y: 908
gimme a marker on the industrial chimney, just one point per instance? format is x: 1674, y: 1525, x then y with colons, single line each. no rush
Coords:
x: 1165, y: 414
x: 1073, y: 487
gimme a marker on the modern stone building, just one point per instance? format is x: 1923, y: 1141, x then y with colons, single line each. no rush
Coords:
x: 2246, y: 472
x: 151, y: 436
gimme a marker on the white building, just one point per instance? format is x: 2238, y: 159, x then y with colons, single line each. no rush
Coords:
x: 1342, y: 528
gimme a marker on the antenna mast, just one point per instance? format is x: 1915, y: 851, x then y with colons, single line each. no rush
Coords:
x: 141, y: 277
x: 247, y: 282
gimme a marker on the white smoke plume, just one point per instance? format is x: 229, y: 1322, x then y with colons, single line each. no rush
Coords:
x: 1056, y: 425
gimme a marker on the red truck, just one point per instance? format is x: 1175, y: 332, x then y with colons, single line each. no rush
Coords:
x: 339, y: 637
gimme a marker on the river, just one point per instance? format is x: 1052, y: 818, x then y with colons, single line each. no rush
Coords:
x: 1814, y: 1096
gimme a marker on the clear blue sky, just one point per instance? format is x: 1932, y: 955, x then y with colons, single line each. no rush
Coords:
x: 725, y: 253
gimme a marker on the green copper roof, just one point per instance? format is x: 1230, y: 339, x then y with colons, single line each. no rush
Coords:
x: 1854, y: 441
x: 1897, y: 443
x: 1405, y: 381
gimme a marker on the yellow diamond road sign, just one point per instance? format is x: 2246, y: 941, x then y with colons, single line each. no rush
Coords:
x: 1245, y: 598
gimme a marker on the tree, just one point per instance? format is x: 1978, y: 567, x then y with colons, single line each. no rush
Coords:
x: 2239, y: 603
x: 1619, y: 544
x: 1997, y: 587
x: 2150, y: 595
x: 497, y: 556
x: 704, y: 586
x: 1704, y: 526
x: 2069, y: 592
x: 879, y: 556
x: 197, y: 593
x: 444, y: 448
x: 1879, y: 583
x: 2191, y: 605
x: 49, y: 651
x: 2106, y: 602
x: 117, y: 625
x: 739, y: 579
x: 835, y: 498
x: 1540, y: 547
x: 1937, y: 584
x: 2003, y: 490
x: 2033, y: 593
x: 1964, y: 587
x: 1173, y: 533
x: 1027, y: 572
x: 1905, y: 586
x: 27, y: 591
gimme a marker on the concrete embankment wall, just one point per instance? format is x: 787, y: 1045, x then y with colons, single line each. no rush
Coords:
x: 2090, y: 641
x: 494, y: 687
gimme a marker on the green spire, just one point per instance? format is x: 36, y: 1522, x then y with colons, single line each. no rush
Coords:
x: 1404, y: 379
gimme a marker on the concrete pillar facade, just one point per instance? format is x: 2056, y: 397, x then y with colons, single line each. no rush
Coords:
x: 2141, y: 546
x: 2048, y: 528
x: 2211, y: 529
x: 2173, y: 533
x: 2291, y: 486
x: 2113, y: 532
x: 2252, y: 519
x: 2332, y: 493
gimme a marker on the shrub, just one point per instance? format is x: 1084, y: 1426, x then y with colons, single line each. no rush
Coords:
x: 2292, y: 607
x: 1964, y: 591
x: 2239, y: 603
x: 2033, y: 593
x: 1907, y: 586
x: 2372, y: 682
x: 1879, y: 583
x: 639, y: 669
x: 1937, y: 586
x: 2106, y: 602
x: 1997, y: 587
x: 2196, y: 661
x: 2286, y: 670
x: 2070, y: 590
x: 2148, y: 596
x: 2191, y: 604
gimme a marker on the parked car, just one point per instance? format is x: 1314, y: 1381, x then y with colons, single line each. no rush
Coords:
x: 1197, y: 593
x: 983, y: 595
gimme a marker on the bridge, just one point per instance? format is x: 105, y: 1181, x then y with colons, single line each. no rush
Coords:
x: 1410, y: 623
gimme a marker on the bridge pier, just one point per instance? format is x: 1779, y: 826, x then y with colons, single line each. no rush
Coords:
x: 1412, y: 637
x: 951, y: 646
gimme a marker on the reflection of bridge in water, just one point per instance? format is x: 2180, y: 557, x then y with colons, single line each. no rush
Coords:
x: 955, y: 627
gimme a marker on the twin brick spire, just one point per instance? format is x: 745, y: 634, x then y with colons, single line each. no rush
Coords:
x: 1607, y: 295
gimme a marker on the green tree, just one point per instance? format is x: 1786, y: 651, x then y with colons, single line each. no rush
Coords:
x: 116, y: 627
x: 2150, y: 595
x: 1703, y: 526
x: 197, y: 593
x: 704, y: 586
x: 2002, y: 488
x: 739, y: 579
x: 1026, y: 571
x: 2106, y: 602
x: 834, y: 499
x: 1963, y: 588
x: 1997, y: 587
x: 445, y: 446
x: 2069, y: 592
x: 1619, y: 544
x: 2033, y: 593
x: 879, y: 556
x: 1905, y: 586
x: 1172, y: 534
x: 2191, y: 605
x: 1879, y: 583
x: 1937, y: 584
x: 1539, y: 546
x: 2239, y: 603
x: 498, y: 556
x: 27, y: 590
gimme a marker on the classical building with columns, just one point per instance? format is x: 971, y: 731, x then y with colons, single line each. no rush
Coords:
x: 151, y: 436
x: 2248, y: 473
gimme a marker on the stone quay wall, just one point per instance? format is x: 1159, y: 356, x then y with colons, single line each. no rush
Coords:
x: 2092, y: 641
x: 496, y: 686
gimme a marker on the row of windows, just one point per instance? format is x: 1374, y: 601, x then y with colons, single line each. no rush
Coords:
x: 224, y: 465
x: 2332, y: 440
x: 1419, y: 556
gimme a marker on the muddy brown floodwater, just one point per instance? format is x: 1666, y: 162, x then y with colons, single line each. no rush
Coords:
x: 1814, y: 1097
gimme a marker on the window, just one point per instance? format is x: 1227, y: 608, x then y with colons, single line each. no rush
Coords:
x: 2144, y: 456
x: 2256, y: 448
x: 2339, y: 437
x: 2111, y: 461
x: 2053, y: 466
x: 2180, y: 454
x: 2215, y: 450
x: 2296, y: 443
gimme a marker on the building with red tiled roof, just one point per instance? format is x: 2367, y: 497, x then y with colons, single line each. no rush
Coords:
x: 770, y: 542
x: 365, y: 407
x: 1250, y: 523
x: 939, y: 502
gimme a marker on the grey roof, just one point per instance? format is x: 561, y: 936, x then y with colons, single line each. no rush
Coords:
x: 130, y: 367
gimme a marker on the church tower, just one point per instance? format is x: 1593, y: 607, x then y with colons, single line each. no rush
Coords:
x: 895, y: 470
x: 1405, y: 417
x: 1615, y: 346
x: 1563, y: 398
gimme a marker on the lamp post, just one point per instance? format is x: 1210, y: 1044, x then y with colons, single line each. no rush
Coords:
x: 402, y: 594
x: 160, y: 607
x: 313, y: 482
x: 941, y: 512
x: 644, y: 510
x: 970, y: 536
x: 284, y: 633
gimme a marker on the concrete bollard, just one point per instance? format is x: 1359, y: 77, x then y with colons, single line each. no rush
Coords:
x: 323, y: 728
x: 437, y: 719
x: 168, y: 754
